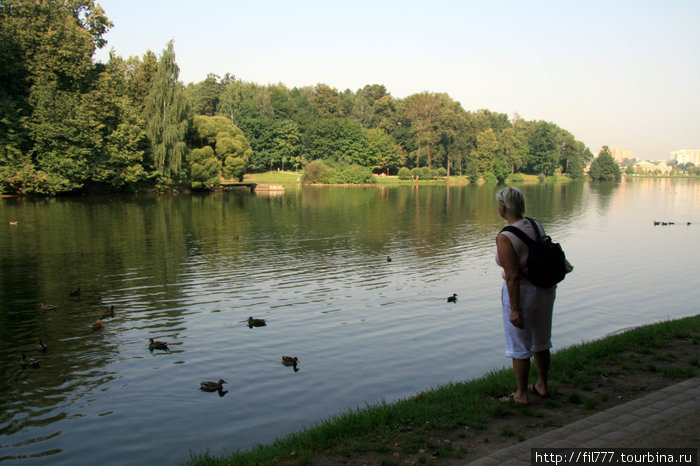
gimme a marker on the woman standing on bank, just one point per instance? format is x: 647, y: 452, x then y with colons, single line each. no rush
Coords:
x: 527, y: 309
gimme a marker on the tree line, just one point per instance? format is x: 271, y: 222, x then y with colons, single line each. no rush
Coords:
x: 71, y: 124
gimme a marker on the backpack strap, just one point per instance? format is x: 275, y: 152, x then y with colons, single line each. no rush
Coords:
x: 539, y: 232
x: 520, y: 234
x: 539, y: 229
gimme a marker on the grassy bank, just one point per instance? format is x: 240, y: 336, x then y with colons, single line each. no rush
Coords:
x: 463, y: 421
x: 289, y: 177
x: 273, y: 177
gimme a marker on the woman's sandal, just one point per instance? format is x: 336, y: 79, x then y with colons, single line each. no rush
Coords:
x: 533, y: 389
x: 511, y: 399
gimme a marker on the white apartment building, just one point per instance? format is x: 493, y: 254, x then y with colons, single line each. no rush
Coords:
x: 686, y: 156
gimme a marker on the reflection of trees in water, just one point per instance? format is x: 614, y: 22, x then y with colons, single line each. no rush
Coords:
x: 554, y: 203
x: 113, y: 248
x: 603, y: 194
x: 425, y: 219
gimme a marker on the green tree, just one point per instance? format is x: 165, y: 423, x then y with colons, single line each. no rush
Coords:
x: 543, y: 157
x: 384, y: 153
x: 204, y: 168
x: 287, y: 147
x: 452, y: 140
x: 337, y: 140
x: 124, y: 144
x: 425, y: 111
x: 486, y: 150
x: 604, y: 167
x: 51, y: 133
x: 508, y: 150
x: 326, y: 101
x: 165, y: 113
x: 204, y: 96
x: 225, y: 142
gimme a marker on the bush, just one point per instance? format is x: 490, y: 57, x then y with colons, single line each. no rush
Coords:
x: 501, y: 170
x: 350, y: 174
x: 319, y: 172
x: 442, y: 172
x: 415, y: 172
x: 490, y: 177
x: 516, y: 178
x: 404, y: 173
x: 315, y: 172
x: 426, y: 173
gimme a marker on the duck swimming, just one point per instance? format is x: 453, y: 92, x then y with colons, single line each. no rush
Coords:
x: 109, y: 313
x: 256, y: 322
x: 96, y: 325
x: 157, y: 345
x: 290, y: 360
x: 452, y: 299
x: 209, y: 386
x: 75, y: 292
x: 31, y: 362
x: 47, y: 307
x: 41, y: 347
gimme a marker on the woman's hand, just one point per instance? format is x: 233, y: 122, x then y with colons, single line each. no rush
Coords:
x: 515, y: 319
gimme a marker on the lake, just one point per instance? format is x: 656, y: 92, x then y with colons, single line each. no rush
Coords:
x: 190, y: 269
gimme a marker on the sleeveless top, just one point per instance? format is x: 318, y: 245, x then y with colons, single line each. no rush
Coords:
x: 519, y: 246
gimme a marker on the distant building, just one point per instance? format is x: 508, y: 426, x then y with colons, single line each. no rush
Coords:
x: 619, y: 155
x: 652, y: 167
x: 686, y: 156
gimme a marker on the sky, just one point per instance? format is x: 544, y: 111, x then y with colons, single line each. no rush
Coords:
x: 617, y: 73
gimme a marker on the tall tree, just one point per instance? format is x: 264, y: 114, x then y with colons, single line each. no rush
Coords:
x: 166, y: 117
x: 451, y: 134
x: 604, y: 167
x: 486, y: 150
x: 51, y: 133
x: 544, y: 149
x: 120, y: 165
x: 204, y: 96
x: 424, y: 111
x: 385, y: 154
x: 326, y: 101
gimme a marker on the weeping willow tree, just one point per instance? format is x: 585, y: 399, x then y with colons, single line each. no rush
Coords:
x: 166, y: 115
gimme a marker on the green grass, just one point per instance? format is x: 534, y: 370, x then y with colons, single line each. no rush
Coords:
x: 292, y: 177
x: 458, y: 405
x: 273, y: 177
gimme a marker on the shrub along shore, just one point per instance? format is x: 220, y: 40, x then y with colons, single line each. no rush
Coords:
x: 287, y: 177
x: 463, y: 421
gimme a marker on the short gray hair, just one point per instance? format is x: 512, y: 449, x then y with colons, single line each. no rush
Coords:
x: 513, y: 200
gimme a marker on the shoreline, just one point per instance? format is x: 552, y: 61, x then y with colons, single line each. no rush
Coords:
x: 462, y: 422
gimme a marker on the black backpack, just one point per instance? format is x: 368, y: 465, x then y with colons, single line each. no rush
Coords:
x: 546, y: 261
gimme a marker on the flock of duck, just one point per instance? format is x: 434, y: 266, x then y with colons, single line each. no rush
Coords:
x: 42, y: 348
x: 211, y: 386
x: 663, y: 224
x: 205, y: 385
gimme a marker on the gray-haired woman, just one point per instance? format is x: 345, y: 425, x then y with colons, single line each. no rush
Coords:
x: 527, y: 309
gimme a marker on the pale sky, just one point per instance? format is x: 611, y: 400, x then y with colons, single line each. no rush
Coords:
x: 618, y: 73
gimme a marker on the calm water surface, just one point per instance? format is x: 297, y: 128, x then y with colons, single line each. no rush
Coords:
x: 190, y: 269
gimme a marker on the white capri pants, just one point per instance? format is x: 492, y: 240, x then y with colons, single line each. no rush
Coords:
x: 536, y: 306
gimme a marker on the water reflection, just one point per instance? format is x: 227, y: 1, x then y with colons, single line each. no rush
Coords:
x: 190, y: 270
